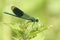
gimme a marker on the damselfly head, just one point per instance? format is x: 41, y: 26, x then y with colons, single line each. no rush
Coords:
x: 37, y: 20
x: 34, y: 20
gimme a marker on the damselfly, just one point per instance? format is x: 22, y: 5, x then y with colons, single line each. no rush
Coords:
x: 20, y: 14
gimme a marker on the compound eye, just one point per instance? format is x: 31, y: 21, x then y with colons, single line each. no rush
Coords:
x: 37, y: 20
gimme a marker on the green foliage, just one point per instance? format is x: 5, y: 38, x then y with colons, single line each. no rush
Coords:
x: 26, y: 31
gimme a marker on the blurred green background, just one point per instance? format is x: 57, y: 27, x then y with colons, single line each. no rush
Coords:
x: 48, y: 12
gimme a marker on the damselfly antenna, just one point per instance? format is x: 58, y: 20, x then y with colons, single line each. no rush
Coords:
x: 19, y: 13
